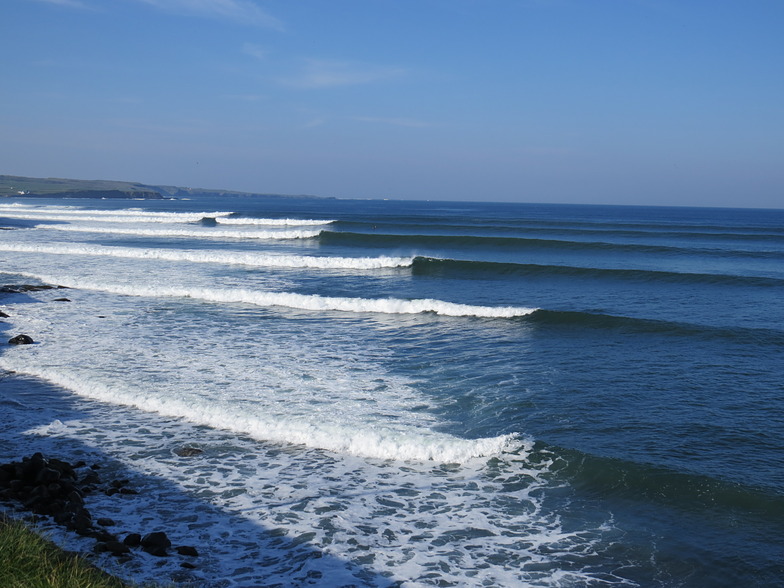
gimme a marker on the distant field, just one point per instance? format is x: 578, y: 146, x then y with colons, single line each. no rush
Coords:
x: 16, y: 185
x: 68, y: 188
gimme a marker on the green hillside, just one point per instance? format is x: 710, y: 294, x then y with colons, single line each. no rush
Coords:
x: 66, y: 188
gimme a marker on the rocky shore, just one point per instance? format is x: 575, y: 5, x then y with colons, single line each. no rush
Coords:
x: 57, y: 490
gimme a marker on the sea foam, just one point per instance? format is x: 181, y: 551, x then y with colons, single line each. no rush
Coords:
x: 13, y: 209
x: 373, y: 442
x: 297, y: 301
x: 205, y: 232
x: 218, y: 257
x: 48, y: 216
x: 290, y: 222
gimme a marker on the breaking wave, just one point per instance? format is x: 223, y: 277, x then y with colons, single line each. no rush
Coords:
x: 223, y: 257
x: 299, y: 301
x: 288, y: 222
x: 371, y: 442
x: 81, y: 213
x: 275, y: 234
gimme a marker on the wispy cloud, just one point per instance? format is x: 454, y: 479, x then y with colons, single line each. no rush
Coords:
x: 244, y: 11
x: 398, y: 122
x: 326, y: 74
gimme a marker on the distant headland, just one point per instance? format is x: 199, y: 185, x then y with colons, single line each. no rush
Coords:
x: 20, y: 186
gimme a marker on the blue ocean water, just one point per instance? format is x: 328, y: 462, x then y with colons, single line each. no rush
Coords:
x: 413, y: 393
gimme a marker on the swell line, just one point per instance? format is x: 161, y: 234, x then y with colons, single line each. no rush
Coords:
x: 387, y: 240
x: 611, y: 230
x: 223, y: 257
x: 483, y: 269
x: 577, y: 319
x: 639, y: 481
x: 206, y: 232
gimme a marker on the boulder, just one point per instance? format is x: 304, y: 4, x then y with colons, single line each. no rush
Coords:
x: 156, y: 543
x: 188, y: 451
x: 133, y: 540
x: 21, y: 340
x: 117, y: 548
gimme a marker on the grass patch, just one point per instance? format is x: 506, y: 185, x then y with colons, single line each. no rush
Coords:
x: 27, y: 560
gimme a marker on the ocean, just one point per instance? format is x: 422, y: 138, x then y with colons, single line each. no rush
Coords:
x: 388, y: 393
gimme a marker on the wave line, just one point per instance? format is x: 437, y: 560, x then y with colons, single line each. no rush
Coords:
x: 225, y: 257
x: 298, y: 301
x: 206, y: 232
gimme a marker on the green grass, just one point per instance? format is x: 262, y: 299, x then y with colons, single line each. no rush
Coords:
x: 12, y: 185
x: 27, y: 560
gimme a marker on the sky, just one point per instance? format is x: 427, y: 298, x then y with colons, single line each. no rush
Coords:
x: 651, y: 102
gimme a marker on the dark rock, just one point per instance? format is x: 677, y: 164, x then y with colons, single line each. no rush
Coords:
x: 156, y: 543
x: 21, y: 340
x: 101, y: 535
x: 47, y: 475
x: 133, y: 540
x: 117, y: 548
x: 4, y: 315
x: 104, y: 522
x: 61, y: 300
x: 22, y: 288
x: 118, y: 483
x: 91, y: 478
x: 111, y: 491
x: 128, y: 491
x: 187, y: 550
x: 81, y: 523
x: 188, y: 451
x: 75, y: 497
x: 187, y: 565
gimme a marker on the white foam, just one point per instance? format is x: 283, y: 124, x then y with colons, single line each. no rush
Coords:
x: 180, y: 218
x: 204, y: 232
x: 290, y: 222
x: 294, y: 300
x: 219, y: 257
x: 125, y: 212
x: 375, y: 442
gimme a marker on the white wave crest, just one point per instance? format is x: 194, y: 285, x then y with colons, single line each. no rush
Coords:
x: 298, y: 301
x: 180, y: 218
x: 205, y: 232
x: 288, y: 222
x: 125, y: 212
x: 373, y: 442
x: 223, y: 257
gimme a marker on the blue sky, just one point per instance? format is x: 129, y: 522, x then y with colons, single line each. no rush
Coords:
x: 587, y: 101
